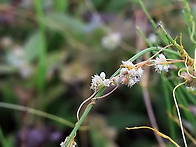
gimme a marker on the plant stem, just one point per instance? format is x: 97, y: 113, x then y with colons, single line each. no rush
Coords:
x: 143, y: 36
x: 42, y: 65
x: 36, y: 112
x: 152, y: 21
x: 178, y: 112
x: 89, y: 107
x: 147, y: 14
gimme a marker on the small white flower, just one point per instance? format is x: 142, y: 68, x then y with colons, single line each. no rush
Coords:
x: 128, y: 63
x: 96, y: 82
x: 124, y: 71
x: 102, y: 75
x: 161, y: 64
x: 140, y: 72
x: 136, y: 73
x: 129, y: 75
x: 133, y: 72
x: 72, y: 144
x: 131, y: 82
x: 117, y: 80
x: 106, y: 82
x: 135, y: 76
x: 97, y: 79
x: 111, y: 41
x: 99, y: 82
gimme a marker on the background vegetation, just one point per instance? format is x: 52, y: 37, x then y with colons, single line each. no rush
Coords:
x: 49, y: 50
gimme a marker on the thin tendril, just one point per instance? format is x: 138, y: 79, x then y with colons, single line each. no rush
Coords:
x: 96, y: 98
x: 78, y: 111
x: 145, y: 62
x: 174, y: 61
x: 178, y: 112
x: 188, y: 69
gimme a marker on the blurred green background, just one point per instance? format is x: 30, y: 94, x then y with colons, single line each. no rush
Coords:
x: 49, y: 49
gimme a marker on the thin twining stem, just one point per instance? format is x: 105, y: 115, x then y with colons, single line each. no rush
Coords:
x: 96, y: 98
x: 89, y: 98
x: 170, y: 62
x: 143, y: 63
x: 92, y: 98
x: 187, y: 69
x: 185, y: 131
x: 178, y: 112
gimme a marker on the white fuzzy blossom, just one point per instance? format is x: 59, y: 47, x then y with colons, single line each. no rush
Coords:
x: 72, y: 144
x: 99, y: 81
x: 161, y: 64
x: 129, y: 75
x: 128, y: 63
x: 111, y: 41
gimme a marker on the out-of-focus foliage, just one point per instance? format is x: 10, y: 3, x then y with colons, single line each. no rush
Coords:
x: 49, y: 50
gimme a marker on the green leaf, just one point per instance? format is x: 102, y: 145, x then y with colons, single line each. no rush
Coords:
x: 3, y: 141
x: 61, y: 5
x: 32, y: 47
x: 63, y: 23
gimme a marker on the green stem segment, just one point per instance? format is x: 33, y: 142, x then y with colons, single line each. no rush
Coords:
x: 147, y: 14
x: 89, y: 107
x: 184, y: 55
x: 42, y: 64
x: 152, y: 22
x: 170, y: 38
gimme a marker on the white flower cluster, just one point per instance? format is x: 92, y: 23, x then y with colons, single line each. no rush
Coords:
x: 99, y: 81
x: 161, y: 64
x: 111, y: 41
x: 73, y: 143
x: 129, y: 75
